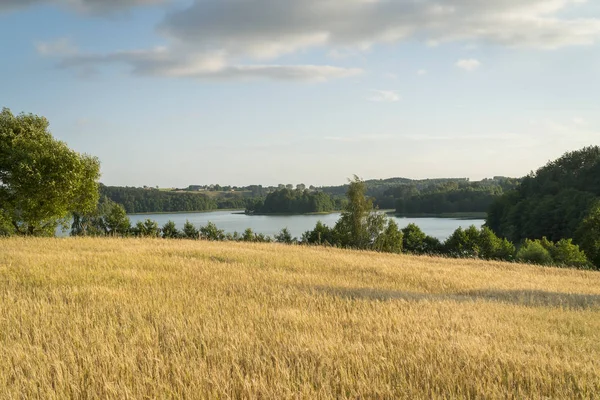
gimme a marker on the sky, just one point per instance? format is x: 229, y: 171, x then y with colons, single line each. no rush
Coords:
x: 172, y: 93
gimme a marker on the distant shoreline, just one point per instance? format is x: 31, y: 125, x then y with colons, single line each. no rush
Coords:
x: 290, y: 214
x: 457, y: 215
x: 186, y: 212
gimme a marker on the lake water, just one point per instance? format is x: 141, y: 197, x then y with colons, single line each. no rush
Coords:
x: 230, y: 222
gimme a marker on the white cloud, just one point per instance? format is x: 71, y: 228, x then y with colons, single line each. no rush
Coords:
x: 86, y: 6
x: 162, y: 61
x: 422, y: 72
x: 59, y: 47
x: 579, y: 121
x: 241, y: 33
x: 359, y: 138
x: 469, y: 64
x: 384, y: 96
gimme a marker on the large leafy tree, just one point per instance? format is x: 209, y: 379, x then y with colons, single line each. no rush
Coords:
x: 42, y: 181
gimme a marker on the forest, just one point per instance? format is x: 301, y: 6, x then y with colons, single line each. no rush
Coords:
x: 406, y: 196
x: 560, y: 200
x: 289, y: 201
x: 150, y: 200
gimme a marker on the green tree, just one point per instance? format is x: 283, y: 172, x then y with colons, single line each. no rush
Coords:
x: 413, y: 239
x: 355, y: 226
x: 285, y: 237
x: 170, y: 231
x: 147, y: 228
x: 115, y: 219
x: 248, y: 236
x: 211, y: 232
x: 190, y: 231
x: 463, y: 243
x: 42, y: 181
x: 568, y: 254
x: 532, y: 251
x: 321, y: 234
x: 390, y: 240
x: 588, y: 235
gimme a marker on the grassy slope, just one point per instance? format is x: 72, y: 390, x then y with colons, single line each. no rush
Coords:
x: 114, y: 318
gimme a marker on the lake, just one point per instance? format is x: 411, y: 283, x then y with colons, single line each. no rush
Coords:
x: 231, y: 221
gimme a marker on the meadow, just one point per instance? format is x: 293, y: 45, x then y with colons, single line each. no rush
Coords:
x: 143, y: 318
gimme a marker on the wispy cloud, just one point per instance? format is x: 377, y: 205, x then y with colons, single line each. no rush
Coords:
x: 469, y: 65
x: 422, y: 72
x: 85, y: 6
x: 244, y: 35
x: 162, y: 61
x: 384, y: 96
x: 360, y: 138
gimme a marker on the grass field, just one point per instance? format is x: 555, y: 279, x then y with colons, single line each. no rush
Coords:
x: 132, y: 318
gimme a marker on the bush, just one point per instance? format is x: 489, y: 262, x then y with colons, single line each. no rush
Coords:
x: 211, y: 232
x: 463, y: 243
x: 169, y: 231
x: 533, y: 252
x: 390, y: 240
x: 148, y: 228
x: 413, y: 239
x: 566, y: 253
x: 284, y: 236
x: 588, y: 235
x: 190, y: 231
x: 322, y: 234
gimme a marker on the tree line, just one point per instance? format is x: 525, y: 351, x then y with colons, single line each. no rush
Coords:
x: 360, y: 227
x: 561, y: 200
x: 433, y: 196
x: 296, y: 201
x: 551, y: 217
x: 150, y: 200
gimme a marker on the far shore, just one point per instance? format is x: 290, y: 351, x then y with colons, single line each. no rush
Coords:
x: 457, y: 215
x: 238, y: 211
x: 187, y: 212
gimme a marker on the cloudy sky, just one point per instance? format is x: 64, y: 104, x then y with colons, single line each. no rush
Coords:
x: 172, y: 93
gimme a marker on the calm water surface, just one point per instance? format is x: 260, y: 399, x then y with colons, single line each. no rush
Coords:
x: 230, y: 222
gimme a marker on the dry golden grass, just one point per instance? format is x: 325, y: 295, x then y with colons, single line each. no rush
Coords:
x: 116, y: 318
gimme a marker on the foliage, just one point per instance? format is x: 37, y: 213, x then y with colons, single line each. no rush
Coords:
x: 190, y: 231
x: 289, y: 201
x: 413, y: 239
x: 321, y: 234
x: 532, y: 251
x: 115, y: 219
x: 553, y: 202
x: 149, y: 200
x: 358, y: 223
x: 284, y: 236
x: 170, y: 231
x: 588, y: 234
x: 390, y: 240
x: 41, y: 180
x: 148, y: 228
x: 211, y: 232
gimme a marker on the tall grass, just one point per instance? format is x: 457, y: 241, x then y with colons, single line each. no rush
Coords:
x: 133, y: 318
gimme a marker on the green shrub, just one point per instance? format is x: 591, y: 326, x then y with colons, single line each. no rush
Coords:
x: 532, y: 251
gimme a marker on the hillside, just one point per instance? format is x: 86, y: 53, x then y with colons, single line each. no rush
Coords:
x: 142, y: 318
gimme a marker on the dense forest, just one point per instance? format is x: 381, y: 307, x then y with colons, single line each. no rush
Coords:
x: 406, y: 196
x: 560, y: 200
x: 289, y: 201
x: 433, y: 196
x: 451, y: 196
x: 149, y: 200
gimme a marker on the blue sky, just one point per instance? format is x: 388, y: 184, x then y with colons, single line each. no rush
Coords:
x: 173, y: 93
